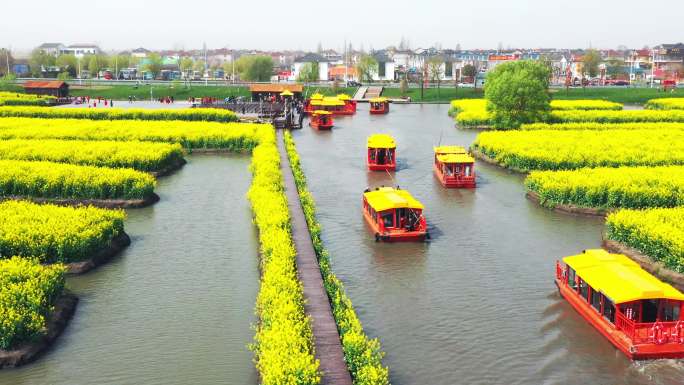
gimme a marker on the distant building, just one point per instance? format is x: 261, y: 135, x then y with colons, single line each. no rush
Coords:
x: 386, y: 66
x: 80, y: 50
x: 140, y: 52
x: 323, y: 65
x: 53, y: 49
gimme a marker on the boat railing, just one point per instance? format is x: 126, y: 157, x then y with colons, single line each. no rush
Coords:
x: 651, y: 332
x: 560, y: 271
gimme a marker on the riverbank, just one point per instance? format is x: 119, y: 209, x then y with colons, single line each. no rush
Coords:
x: 625, y: 95
x: 64, y: 309
x: 102, y: 203
x: 116, y: 245
x: 568, y: 208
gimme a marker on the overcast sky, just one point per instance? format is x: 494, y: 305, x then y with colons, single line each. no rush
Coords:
x: 279, y: 25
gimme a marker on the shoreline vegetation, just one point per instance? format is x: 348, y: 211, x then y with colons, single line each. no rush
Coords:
x: 362, y: 354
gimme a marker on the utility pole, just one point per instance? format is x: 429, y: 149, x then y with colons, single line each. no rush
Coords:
x: 7, y: 60
x: 652, y: 66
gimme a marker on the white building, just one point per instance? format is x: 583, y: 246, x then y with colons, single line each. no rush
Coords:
x: 80, y: 50
x: 323, y: 66
x: 140, y: 53
x: 53, y: 49
x: 386, y: 67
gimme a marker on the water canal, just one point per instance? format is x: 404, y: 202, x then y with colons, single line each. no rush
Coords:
x: 177, y: 305
x: 476, y: 305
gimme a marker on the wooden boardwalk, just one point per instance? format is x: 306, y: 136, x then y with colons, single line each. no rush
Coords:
x: 326, y: 337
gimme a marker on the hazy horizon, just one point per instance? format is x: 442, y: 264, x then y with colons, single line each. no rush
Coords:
x: 173, y: 24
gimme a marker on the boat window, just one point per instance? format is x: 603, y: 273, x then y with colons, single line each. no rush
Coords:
x: 388, y: 219
x: 631, y: 311
x: 671, y: 311
x: 650, y: 310
x: 596, y: 300
x: 571, y: 278
x: 467, y: 170
x: 381, y: 156
x: 402, y: 218
x: 448, y: 170
x: 608, y: 309
x: 584, y: 289
x: 458, y: 170
x: 372, y: 154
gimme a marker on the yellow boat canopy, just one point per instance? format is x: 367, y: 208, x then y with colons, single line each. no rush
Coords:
x: 387, y: 198
x: 329, y: 102
x: 455, y: 158
x: 379, y: 100
x: 619, y: 278
x: 344, y: 97
x: 450, y: 150
x: 381, y: 141
x: 316, y: 96
x: 286, y: 93
x: 322, y: 112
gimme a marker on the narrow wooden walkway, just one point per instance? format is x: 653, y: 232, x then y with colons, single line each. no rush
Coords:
x: 326, y: 337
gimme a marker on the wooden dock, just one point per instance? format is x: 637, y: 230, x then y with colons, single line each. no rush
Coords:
x: 326, y: 337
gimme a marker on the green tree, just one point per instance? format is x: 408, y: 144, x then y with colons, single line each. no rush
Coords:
x: 186, y: 64
x: 469, y: 71
x: 366, y: 67
x: 94, y: 65
x: 615, y: 68
x: 255, y: 68
x: 154, y: 64
x: 67, y: 63
x: 435, y: 71
x: 517, y: 92
x: 122, y: 61
x: 39, y: 59
x: 199, y: 66
x: 6, y: 61
x: 227, y: 68
x: 64, y: 76
x: 590, y: 63
x: 308, y: 73
x: 403, y: 86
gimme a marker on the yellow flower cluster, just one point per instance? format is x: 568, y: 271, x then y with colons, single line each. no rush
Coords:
x: 665, y: 104
x: 603, y: 126
x: 142, y: 156
x: 584, y: 104
x: 658, y: 233
x: 362, y: 354
x: 197, y: 114
x: 283, y: 347
x: 562, y: 150
x: 622, y: 187
x: 20, y: 99
x: 54, y: 233
x: 617, y: 116
x: 27, y: 292
x: 191, y: 135
x: 473, y: 112
x: 65, y: 181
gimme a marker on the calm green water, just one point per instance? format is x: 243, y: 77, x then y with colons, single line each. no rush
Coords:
x: 476, y: 305
x: 177, y: 305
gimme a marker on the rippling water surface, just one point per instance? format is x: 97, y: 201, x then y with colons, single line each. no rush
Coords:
x: 177, y: 305
x: 476, y: 305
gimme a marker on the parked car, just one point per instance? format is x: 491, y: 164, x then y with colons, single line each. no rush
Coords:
x: 352, y: 83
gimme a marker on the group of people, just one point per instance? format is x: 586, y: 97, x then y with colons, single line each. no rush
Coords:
x: 96, y: 102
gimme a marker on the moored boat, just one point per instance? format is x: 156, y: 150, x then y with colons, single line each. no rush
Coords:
x: 308, y: 107
x: 379, y: 106
x: 349, y: 104
x: 454, y: 167
x: 331, y: 104
x: 394, y: 215
x: 636, y: 312
x: 381, y: 153
x: 321, y: 120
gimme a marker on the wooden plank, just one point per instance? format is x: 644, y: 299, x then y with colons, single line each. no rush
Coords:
x: 327, y: 338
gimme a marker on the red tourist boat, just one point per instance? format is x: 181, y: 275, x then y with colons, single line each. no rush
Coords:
x: 321, y: 120
x: 349, y: 104
x: 635, y: 311
x: 454, y: 167
x: 394, y: 215
x: 308, y: 107
x: 381, y: 154
x: 379, y: 106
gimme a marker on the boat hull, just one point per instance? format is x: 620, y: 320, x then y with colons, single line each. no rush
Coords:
x: 619, y: 339
x: 453, y: 182
x: 395, y: 236
x: 382, y: 167
x: 378, y: 112
x: 321, y: 126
